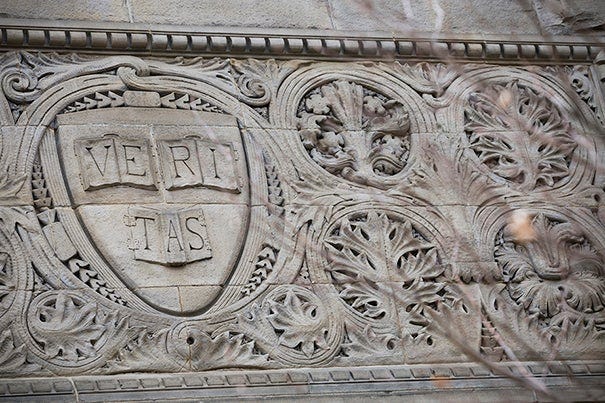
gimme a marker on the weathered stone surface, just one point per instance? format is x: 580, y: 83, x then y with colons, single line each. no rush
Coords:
x: 464, y: 16
x: 248, y: 13
x: 183, y: 215
x: 109, y: 10
x: 268, y: 14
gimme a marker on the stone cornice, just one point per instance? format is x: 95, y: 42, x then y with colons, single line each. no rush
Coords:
x: 168, y: 40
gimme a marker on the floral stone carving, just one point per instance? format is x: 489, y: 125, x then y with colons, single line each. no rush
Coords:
x: 355, y: 133
x: 66, y: 327
x: 200, y: 214
x: 519, y: 135
x: 382, y: 268
x: 556, y: 275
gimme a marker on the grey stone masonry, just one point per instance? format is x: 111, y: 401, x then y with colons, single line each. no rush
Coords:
x: 221, y: 213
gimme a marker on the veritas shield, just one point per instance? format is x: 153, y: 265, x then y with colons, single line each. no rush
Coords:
x: 160, y: 196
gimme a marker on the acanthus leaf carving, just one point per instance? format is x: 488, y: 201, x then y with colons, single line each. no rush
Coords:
x: 528, y: 337
x: 25, y: 76
x: 15, y: 218
x: 299, y: 321
x: 519, y: 135
x: 581, y: 81
x: 13, y: 357
x: 383, y: 266
x: 388, y: 287
x: 428, y: 78
x: 67, y: 327
x: 444, y: 174
x: 146, y: 351
x: 355, y: 133
x: 292, y: 325
x: 201, y: 351
x: 258, y: 80
x: 378, y: 248
x: 367, y: 342
x: 555, y: 275
x: 7, y: 285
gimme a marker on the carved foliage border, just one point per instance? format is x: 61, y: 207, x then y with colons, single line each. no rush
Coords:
x: 414, y: 252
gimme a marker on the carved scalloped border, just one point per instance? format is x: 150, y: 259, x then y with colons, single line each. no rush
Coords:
x: 442, y: 379
x: 288, y: 43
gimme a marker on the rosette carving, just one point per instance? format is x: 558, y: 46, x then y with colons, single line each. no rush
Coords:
x: 355, y: 133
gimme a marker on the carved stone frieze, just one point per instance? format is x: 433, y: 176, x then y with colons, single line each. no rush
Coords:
x: 197, y: 214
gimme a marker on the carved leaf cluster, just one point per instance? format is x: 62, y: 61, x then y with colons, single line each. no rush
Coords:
x: 299, y: 322
x: 580, y: 79
x: 355, y: 133
x: 519, y: 135
x: 67, y: 327
x: 225, y: 350
x: 557, y: 276
x: 428, y: 78
x: 383, y: 273
x: 373, y: 248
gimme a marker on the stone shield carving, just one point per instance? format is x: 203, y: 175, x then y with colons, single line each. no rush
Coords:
x: 160, y: 197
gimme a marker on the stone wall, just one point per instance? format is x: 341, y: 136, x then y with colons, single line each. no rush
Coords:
x: 234, y: 212
x: 460, y: 16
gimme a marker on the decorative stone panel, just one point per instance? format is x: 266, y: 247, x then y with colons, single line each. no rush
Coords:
x: 186, y: 214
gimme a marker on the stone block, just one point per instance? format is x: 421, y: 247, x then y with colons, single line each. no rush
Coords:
x: 273, y: 14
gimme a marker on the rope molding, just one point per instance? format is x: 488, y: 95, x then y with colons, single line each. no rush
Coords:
x: 119, y: 38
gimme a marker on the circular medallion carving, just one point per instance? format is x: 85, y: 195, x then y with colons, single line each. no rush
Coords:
x: 354, y: 132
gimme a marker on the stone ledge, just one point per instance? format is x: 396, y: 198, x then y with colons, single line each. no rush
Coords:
x: 116, y: 38
x: 425, y: 379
